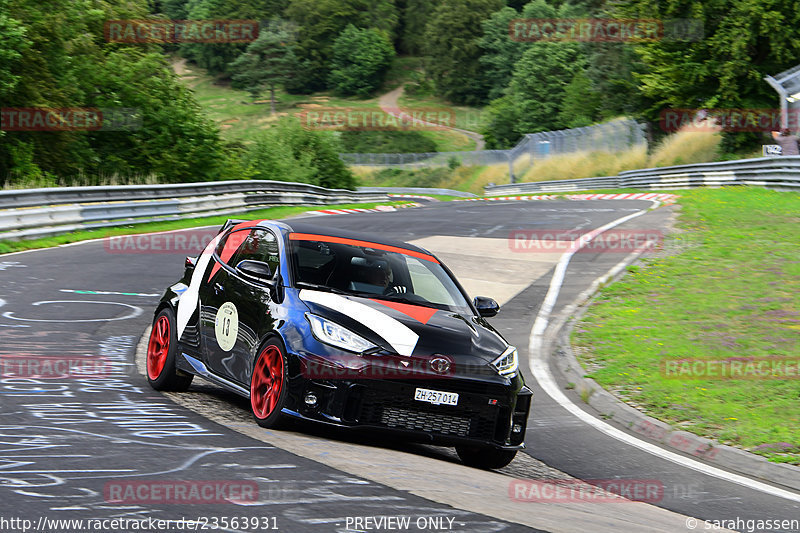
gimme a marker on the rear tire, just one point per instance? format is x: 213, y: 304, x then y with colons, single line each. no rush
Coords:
x: 162, y: 349
x: 485, y: 457
x: 269, y: 384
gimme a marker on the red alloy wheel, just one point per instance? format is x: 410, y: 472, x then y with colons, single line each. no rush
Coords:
x: 158, y: 347
x: 267, y: 381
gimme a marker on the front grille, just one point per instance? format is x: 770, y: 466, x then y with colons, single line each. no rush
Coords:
x: 418, y: 420
x: 391, y: 405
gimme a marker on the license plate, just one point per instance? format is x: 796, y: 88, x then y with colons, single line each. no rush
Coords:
x: 436, y: 397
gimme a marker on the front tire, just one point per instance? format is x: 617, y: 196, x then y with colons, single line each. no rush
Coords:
x: 485, y: 457
x: 162, y: 349
x: 269, y: 384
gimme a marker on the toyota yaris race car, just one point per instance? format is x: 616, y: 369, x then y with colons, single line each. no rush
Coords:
x: 345, y: 329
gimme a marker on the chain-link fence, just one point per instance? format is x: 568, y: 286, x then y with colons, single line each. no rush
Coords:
x: 611, y: 136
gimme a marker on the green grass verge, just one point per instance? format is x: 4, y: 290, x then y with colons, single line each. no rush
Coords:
x: 464, y: 117
x: 727, y: 286
x: 240, y: 118
x: 152, y: 227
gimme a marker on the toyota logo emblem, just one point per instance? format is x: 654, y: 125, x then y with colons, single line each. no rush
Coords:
x: 440, y: 365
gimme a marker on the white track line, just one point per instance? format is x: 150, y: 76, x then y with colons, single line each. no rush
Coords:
x: 541, y: 372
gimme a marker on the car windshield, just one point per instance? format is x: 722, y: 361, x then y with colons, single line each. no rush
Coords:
x: 373, y: 270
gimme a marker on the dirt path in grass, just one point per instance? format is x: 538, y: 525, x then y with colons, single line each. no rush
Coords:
x: 388, y: 103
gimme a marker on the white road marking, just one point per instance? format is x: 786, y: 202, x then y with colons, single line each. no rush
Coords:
x: 541, y: 372
x: 135, y: 311
x: 108, y: 293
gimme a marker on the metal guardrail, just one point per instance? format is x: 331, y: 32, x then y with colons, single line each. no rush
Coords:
x: 417, y: 190
x: 32, y: 213
x: 781, y: 173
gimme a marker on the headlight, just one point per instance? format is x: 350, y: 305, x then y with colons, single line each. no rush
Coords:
x: 507, y: 363
x: 335, y: 335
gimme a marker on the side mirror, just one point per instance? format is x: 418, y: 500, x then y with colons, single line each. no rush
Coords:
x: 486, y: 306
x: 257, y: 271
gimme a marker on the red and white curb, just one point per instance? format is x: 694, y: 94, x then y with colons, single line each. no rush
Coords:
x: 376, y: 209
x: 659, y: 197
x: 417, y: 196
x: 663, y: 198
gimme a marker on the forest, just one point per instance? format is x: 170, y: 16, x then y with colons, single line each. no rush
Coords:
x: 481, y: 53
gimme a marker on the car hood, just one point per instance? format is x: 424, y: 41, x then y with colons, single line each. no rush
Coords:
x: 408, y: 329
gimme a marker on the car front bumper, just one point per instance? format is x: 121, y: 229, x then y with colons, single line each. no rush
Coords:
x: 487, y: 414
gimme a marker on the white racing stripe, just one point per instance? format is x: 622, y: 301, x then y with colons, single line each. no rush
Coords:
x: 402, y: 339
x: 541, y: 372
x: 187, y: 302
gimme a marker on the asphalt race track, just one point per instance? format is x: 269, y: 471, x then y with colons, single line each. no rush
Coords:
x: 78, y: 448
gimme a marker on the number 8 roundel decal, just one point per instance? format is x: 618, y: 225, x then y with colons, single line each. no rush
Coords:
x: 226, y: 326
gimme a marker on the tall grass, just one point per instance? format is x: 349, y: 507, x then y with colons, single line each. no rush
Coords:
x: 586, y: 165
x: 685, y: 148
x: 681, y: 148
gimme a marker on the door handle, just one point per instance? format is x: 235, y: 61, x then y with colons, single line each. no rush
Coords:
x: 218, y: 288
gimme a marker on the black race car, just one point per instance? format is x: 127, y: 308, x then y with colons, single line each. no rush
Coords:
x: 345, y: 329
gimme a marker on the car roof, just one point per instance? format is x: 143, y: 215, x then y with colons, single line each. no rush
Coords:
x: 315, y: 229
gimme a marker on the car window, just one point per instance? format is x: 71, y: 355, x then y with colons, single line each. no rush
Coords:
x: 230, y: 244
x: 375, y: 271
x: 259, y: 245
x: 427, y: 284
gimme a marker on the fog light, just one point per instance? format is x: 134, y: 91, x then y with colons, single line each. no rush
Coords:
x: 517, y: 428
x: 311, y: 399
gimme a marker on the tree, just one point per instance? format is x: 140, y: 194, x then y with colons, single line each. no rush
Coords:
x: 267, y: 62
x: 414, y: 20
x: 75, y: 67
x: 451, y: 39
x: 320, y: 22
x: 742, y: 41
x: 288, y: 152
x: 581, y: 102
x: 360, y: 61
x: 612, y: 70
x: 12, y: 45
x: 500, y: 52
x: 500, y: 132
x: 216, y: 57
x: 539, y: 81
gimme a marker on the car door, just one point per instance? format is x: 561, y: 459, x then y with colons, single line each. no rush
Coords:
x: 218, y: 311
x: 244, y: 315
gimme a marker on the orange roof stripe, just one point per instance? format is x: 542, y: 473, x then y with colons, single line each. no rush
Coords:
x: 355, y: 242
